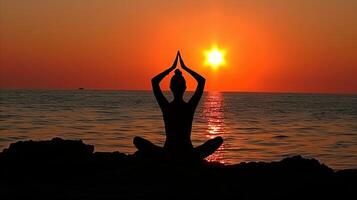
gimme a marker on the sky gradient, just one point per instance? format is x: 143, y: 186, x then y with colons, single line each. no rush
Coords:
x: 271, y: 46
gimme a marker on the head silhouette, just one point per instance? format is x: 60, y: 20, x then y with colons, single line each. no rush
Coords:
x: 178, y: 84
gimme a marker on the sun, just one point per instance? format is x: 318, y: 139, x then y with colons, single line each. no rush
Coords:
x: 215, y: 57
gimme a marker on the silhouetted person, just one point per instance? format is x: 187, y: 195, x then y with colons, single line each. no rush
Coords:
x: 178, y: 117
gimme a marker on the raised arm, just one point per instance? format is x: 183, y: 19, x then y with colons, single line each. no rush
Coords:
x: 155, y: 82
x: 195, y: 99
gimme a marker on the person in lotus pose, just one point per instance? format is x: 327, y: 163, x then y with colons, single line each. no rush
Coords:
x: 178, y: 117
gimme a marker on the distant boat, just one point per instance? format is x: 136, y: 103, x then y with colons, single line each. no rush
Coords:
x: 80, y: 88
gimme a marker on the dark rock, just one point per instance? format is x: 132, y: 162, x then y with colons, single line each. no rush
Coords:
x: 55, y: 150
x: 70, y: 169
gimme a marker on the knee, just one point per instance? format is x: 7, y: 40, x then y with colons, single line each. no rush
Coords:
x: 137, y: 140
x: 218, y: 140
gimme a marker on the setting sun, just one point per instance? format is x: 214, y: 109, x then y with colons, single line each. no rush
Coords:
x: 215, y: 57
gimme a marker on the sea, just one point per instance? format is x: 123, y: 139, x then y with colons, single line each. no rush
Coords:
x: 254, y: 126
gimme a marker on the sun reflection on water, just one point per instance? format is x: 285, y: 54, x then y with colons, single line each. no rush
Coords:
x: 213, y: 113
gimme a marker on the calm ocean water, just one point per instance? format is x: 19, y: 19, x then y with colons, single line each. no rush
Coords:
x: 255, y: 126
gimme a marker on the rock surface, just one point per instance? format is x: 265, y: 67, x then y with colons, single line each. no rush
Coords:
x: 70, y: 169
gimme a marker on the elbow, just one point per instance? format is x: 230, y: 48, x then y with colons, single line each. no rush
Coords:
x: 153, y: 81
x: 202, y: 82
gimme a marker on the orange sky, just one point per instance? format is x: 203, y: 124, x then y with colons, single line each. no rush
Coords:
x: 272, y: 46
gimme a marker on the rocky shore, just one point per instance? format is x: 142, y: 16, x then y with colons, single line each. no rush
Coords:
x: 70, y: 169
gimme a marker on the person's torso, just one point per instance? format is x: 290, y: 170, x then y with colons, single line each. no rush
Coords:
x: 178, y: 117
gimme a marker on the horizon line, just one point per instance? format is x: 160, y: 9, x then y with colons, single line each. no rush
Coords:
x: 206, y: 91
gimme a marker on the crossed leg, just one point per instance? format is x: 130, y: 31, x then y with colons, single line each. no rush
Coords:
x: 146, y: 146
x: 202, y: 151
x: 207, y: 148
